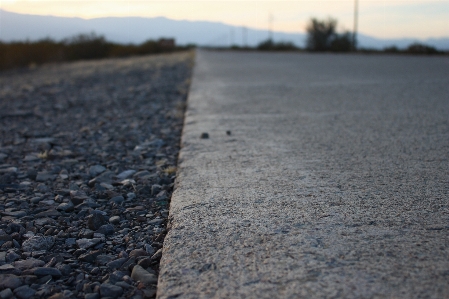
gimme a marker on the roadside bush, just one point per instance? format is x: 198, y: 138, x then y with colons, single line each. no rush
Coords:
x: 341, y: 43
x: 322, y: 36
x: 87, y: 46
x: 418, y: 48
x: 23, y: 54
x: 83, y: 46
x: 391, y: 49
x: 270, y: 45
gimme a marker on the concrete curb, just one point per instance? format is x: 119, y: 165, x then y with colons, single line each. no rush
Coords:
x: 330, y: 185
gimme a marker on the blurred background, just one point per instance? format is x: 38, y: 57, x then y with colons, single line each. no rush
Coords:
x: 368, y: 25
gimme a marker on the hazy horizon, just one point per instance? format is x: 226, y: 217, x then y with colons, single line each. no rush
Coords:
x: 386, y: 20
x: 19, y: 27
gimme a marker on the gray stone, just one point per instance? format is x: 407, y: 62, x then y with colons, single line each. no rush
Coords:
x: 10, y: 257
x: 114, y: 220
x: 38, y: 243
x: 125, y: 174
x: 96, y: 170
x: 145, y: 262
x: 43, y: 271
x: 149, y: 249
x: 6, y: 294
x: 90, y: 257
x: 105, y: 177
x: 106, y: 229
x: 64, y: 268
x: 157, y: 255
x: 66, y: 207
x: 103, y: 259
x: 70, y: 241
x: 9, y: 269
x: 137, y: 253
x: 28, y: 264
x: 48, y: 213
x: 45, y: 176
x: 78, y: 197
x: 15, y: 214
x: 115, y: 264
x: 156, y: 221
x: 87, y: 243
x: 110, y: 290
x: 142, y: 275
x: 10, y: 281
x: 155, y: 189
x: 86, y: 233
x: 3, y: 257
x: 118, y: 199
x: 95, y: 221
x: 116, y: 276
x: 123, y: 284
x: 92, y: 296
x: 24, y: 292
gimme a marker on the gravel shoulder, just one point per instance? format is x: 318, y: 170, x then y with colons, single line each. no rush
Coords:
x: 88, y: 154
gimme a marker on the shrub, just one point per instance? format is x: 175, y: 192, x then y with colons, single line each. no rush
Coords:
x: 418, y: 48
x: 341, y: 42
x: 87, y: 46
x: 322, y: 36
x: 270, y: 45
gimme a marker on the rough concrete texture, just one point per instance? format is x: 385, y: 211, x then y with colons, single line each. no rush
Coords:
x: 333, y: 182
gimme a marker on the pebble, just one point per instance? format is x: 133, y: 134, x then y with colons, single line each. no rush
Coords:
x: 96, y: 170
x: 95, y: 221
x: 106, y: 229
x: 114, y: 220
x: 9, y: 281
x: 142, y: 275
x: 87, y: 243
x: 110, y: 290
x: 37, y: 243
x: 66, y: 207
x: 28, y: 264
x: 79, y: 181
x: 24, y: 292
x: 118, y: 199
x: 6, y: 294
x: 43, y: 271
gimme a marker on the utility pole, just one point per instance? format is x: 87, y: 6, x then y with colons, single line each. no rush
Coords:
x: 270, y: 29
x: 356, y: 16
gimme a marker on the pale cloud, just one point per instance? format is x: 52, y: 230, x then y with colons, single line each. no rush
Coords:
x: 380, y: 18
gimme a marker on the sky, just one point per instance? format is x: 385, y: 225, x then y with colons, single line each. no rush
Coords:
x: 378, y: 18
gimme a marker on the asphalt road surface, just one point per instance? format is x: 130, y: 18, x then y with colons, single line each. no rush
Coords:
x: 333, y: 181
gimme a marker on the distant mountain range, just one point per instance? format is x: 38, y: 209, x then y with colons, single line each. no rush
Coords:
x: 19, y: 27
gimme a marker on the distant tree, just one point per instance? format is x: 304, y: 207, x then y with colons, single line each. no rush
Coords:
x: 320, y: 34
x: 391, y: 49
x: 270, y: 45
x: 341, y: 42
x: 418, y: 48
x: 266, y: 45
x: 323, y: 36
